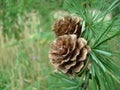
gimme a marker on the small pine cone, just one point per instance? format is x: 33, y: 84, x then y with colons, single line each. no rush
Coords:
x: 67, y: 25
x: 69, y: 53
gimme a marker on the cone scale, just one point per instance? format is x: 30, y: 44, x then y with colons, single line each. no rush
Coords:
x: 67, y: 25
x: 69, y: 53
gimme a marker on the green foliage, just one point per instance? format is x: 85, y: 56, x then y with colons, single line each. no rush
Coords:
x: 26, y: 27
x: 70, y: 83
x: 24, y: 64
x: 101, y: 35
x: 12, y: 14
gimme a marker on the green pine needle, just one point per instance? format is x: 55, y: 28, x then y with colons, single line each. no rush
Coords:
x: 101, y: 35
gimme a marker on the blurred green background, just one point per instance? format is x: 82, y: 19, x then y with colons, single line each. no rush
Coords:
x: 25, y: 37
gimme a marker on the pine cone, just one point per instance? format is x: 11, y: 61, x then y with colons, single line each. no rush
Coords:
x: 67, y: 25
x: 69, y: 53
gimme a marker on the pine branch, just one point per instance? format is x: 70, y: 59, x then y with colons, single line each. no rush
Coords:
x: 99, y: 33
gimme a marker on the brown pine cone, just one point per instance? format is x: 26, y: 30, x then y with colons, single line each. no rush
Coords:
x: 67, y: 25
x: 69, y: 53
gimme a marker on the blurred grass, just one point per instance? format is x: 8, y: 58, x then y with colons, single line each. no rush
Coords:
x: 24, y: 62
x: 25, y: 37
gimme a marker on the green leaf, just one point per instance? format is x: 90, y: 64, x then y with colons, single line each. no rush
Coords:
x: 106, y: 10
x: 109, y: 38
x: 112, y: 68
x: 110, y: 64
x: 103, y: 34
x: 97, y: 61
x: 103, y: 52
x: 94, y: 84
x: 100, y: 78
x: 67, y: 82
x: 109, y: 81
